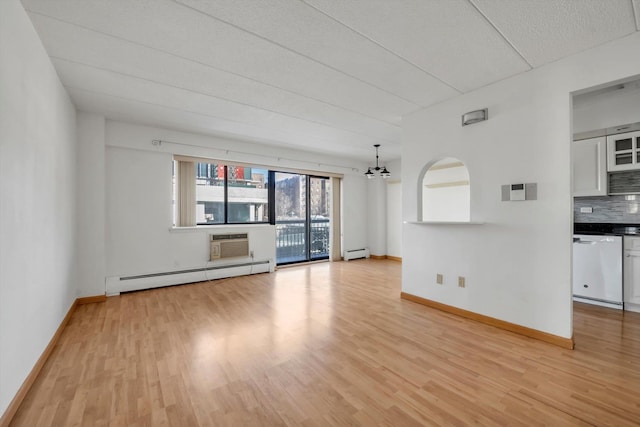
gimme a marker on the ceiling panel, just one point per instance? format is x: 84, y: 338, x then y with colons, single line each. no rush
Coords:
x: 136, y: 112
x: 229, y: 117
x: 322, y: 75
x: 448, y: 38
x: 173, y: 28
x: 544, y: 31
x: 84, y: 47
x: 307, y: 31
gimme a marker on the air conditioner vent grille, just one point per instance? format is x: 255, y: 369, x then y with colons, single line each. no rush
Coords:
x: 228, y: 246
x: 215, y: 237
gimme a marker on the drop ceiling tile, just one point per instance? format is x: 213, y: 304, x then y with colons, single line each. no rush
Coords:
x: 72, y: 44
x: 125, y: 110
x: 305, y: 30
x: 544, y: 31
x: 173, y: 28
x: 228, y: 116
x: 448, y: 38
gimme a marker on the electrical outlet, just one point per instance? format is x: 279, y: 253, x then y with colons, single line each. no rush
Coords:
x: 461, y: 281
x: 439, y: 279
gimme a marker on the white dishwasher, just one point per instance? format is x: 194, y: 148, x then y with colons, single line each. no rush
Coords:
x: 597, y: 270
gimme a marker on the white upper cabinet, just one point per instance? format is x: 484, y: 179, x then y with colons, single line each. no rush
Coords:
x: 623, y: 151
x: 590, y: 167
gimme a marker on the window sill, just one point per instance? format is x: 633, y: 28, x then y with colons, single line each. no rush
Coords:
x: 216, y: 227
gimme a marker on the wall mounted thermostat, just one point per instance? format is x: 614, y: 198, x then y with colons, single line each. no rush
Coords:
x: 517, y: 192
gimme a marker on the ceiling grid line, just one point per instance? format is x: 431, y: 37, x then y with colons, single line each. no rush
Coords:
x: 156, y: 104
x: 319, y: 75
x: 307, y: 57
x: 280, y: 143
x: 504, y: 37
x: 217, y: 68
x: 397, y: 55
x: 219, y: 97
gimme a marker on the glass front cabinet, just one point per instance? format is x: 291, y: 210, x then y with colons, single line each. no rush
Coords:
x: 623, y: 151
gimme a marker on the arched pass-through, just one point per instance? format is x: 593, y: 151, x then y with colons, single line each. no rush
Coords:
x: 444, y: 191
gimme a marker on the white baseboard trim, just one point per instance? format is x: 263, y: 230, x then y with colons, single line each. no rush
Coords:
x: 117, y: 284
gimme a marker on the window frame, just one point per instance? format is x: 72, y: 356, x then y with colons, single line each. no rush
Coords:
x: 270, y: 187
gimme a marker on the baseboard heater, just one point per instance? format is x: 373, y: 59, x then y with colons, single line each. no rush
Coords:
x: 356, y: 253
x: 116, y: 285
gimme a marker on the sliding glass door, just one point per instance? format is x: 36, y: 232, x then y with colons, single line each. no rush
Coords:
x: 319, y: 217
x: 302, y: 217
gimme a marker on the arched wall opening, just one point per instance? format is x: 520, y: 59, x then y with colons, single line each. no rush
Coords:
x: 444, y: 191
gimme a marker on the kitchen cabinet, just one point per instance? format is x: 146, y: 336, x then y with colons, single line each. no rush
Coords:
x: 623, y: 151
x: 590, y: 167
x: 631, y: 271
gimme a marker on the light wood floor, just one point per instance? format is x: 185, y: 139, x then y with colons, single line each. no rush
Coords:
x: 326, y: 344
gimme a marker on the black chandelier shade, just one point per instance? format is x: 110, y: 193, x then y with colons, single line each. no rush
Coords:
x: 384, y: 173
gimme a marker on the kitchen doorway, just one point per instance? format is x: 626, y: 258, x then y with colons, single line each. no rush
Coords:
x: 606, y: 195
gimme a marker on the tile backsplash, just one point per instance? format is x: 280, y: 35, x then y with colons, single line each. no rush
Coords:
x: 612, y: 209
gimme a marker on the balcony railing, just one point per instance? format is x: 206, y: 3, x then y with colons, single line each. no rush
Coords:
x: 291, y: 236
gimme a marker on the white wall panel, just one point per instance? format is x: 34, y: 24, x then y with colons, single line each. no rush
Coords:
x: 38, y: 206
x: 90, y: 189
x: 518, y: 263
x: 613, y: 108
x: 139, y: 193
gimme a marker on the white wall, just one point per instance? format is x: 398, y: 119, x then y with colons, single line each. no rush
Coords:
x: 608, y: 109
x: 517, y: 264
x: 37, y: 210
x: 380, y: 212
x: 355, y: 214
x: 394, y: 209
x: 394, y: 219
x: 91, y: 204
x: 139, y: 193
x: 377, y: 213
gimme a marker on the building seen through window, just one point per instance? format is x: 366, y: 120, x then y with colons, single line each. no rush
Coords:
x: 247, y: 194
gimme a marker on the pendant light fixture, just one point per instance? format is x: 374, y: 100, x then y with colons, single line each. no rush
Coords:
x: 384, y: 173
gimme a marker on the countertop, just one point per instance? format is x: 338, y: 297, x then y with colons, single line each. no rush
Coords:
x: 606, y: 228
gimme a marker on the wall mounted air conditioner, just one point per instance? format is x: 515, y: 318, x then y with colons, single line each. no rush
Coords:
x: 224, y: 246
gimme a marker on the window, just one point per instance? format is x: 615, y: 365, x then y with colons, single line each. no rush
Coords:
x: 209, y: 192
x: 248, y: 194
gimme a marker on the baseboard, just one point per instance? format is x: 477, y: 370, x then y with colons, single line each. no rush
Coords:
x: 508, y: 326
x: 114, y: 285
x: 91, y: 300
x: 391, y: 257
x: 11, y: 410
